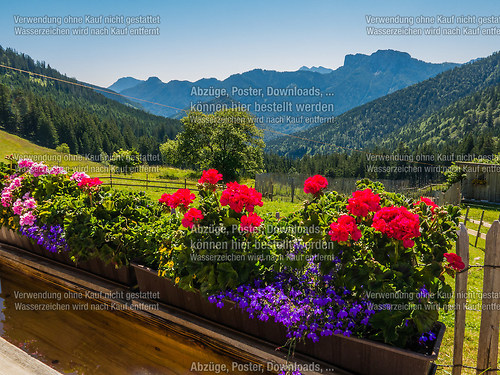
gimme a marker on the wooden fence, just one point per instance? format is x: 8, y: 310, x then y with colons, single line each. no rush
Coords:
x: 487, y: 352
x: 291, y: 187
x: 148, y: 183
x: 480, y: 223
x: 426, y: 190
x: 482, y: 182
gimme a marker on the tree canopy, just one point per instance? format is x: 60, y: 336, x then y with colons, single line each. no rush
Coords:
x: 227, y: 140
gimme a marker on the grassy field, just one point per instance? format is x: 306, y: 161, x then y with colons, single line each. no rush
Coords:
x: 11, y: 144
x: 173, y: 177
x: 178, y: 178
x: 276, y: 206
x: 22, y: 148
x: 491, y: 213
x: 283, y: 208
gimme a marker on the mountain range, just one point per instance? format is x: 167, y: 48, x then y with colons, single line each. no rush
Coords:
x: 289, y: 101
x: 411, y: 115
x: 457, y: 109
x: 317, y: 69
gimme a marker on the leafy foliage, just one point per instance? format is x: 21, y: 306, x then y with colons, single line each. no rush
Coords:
x: 218, y: 253
x: 63, y: 148
x: 125, y: 160
x: 226, y: 140
x: 381, y: 268
x: 454, y: 174
x: 110, y: 228
x: 102, y: 222
x: 388, y: 271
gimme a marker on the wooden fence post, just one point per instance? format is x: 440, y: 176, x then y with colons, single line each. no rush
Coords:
x: 460, y: 301
x: 293, y: 189
x: 487, y: 351
x: 185, y: 184
x: 466, y: 215
x: 479, y: 229
x: 147, y: 181
x: 110, y: 177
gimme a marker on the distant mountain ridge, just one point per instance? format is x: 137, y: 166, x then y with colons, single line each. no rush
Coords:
x: 361, y: 79
x: 317, y: 69
x: 124, y: 84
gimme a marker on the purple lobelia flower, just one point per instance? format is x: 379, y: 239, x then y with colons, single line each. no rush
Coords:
x: 50, y: 237
x: 427, y: 338
x: 422, y: 293
x: 304, y: 301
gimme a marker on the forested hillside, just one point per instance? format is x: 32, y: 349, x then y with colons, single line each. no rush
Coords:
x: 476, y: 117
x: 468, y: 129
x: 50, y: 112
x: 376, y: 122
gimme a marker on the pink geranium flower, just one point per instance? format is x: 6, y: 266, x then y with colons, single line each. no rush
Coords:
x: 27, y: 219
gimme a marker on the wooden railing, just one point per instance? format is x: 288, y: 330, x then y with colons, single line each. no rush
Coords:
x: 148, y: 183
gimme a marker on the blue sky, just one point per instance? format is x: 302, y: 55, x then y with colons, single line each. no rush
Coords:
x: 222, y: 37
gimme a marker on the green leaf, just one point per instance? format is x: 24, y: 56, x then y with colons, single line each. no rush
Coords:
x: 425, y: 319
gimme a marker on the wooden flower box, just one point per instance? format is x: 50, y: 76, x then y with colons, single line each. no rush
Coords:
x: 359, y: 356
x: 96, y: 266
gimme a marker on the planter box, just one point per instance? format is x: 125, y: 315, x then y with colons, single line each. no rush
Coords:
x: 10, y: 237
x: 359, y: 356
x: 122, y: 275
x: 230, y: 315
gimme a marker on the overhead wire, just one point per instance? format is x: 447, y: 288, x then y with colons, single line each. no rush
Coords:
x: 184, y: 110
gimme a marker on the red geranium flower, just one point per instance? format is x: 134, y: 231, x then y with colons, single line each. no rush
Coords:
x: 182, y: 197
x: 315, y: 184
x: 239, y: 197
x: 428, y: 202
x: 193, y: 215
x: 344, y: 228
x: 363, y: 202
x: 212, y: 176
x: 398, y: 223
x: 455, y: 261
x: 89, y: 183
x: 250, y: 222
x: 165, y: 198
